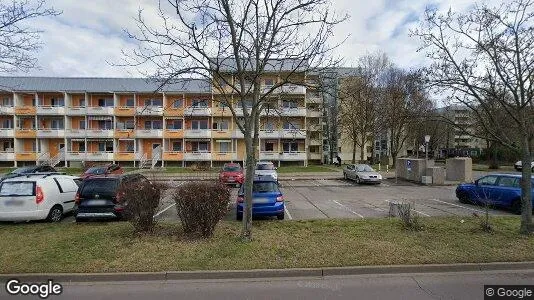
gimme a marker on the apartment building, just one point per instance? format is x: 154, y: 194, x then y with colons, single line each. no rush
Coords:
x: 66, y: 121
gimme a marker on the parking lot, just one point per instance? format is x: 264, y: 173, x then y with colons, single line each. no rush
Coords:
x: 337, y: 198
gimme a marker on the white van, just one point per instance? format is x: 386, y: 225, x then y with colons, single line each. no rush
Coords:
x: 37, y: 196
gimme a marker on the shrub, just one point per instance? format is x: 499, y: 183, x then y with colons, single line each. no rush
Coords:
x: 141, y: 200
x: 404, y: 211
x: 200, y: 206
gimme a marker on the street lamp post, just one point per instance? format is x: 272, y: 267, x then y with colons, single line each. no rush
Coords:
x: 427, y: 140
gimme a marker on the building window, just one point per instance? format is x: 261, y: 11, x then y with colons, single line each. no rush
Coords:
x: 177, y: 146
x: 57, y: 102
x: 174, y: 124
x: 248, y: 103
x: 105, y: 146
x: 291, y: 126
x: 269, y: 82
x: 130, y: 146
x: 153, y: 124
x: 129, y: 124
x: 178, y: 103
x: 269, y: 126
x: 200, y: 103
x: 7, y: 123
x: 82, y: 124
x: 224, y: 147
x: 289, y: 104
x: 199, y: 124
x: 200, y: 146
x: 221, y: 125
x: 269, y: 146
x: 7, y: 101
x: 107, y: 102
x: 130, y: 102
x: 105, y: 124
x: 153, y: 102
x: 81, y: 147
x: 81, y: 102
x: 290, y: 147
x: 57, y: 124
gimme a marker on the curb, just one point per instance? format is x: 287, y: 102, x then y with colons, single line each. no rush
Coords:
x: 269, y: 273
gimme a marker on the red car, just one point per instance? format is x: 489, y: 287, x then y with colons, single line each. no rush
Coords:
x: 102, y: 170
x: 232, y: 173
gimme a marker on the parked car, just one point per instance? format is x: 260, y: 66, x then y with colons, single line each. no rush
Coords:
x: 97, y: 197
x: 37, y: 196
x: 501, y: 190
x: 362, y: 174
x: 267, y: 199
x: 519, y: 166
x: 232, y: 173
x: 266, y: 168
x: 102, y: 170
x: 28, y: 170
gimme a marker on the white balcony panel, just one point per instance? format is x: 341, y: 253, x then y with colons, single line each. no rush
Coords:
x: 314, y: 155
x: 270, y: 134
x: 100, y: 156
x: 7, y: 156
x: 293, y: 112
x: 150, y: 110
x: 75, y: 156
x: 314, y: 114
x: 288, y: 89
x: 100, y: 110
x: 293, y: 134
x: 313, y: 98
x: 50, y: 110
x: 51, y: 133
x: 73, y: 133
x: 197, y: 111
x: 237, y: 134
x: 293, y: 156
x: 99, y: 133
x: 315, y: 142
x: 197, y: 156
x: 149, y: 133
x: 225, y: 156
x: 269, y: 155
x: 7, y: 110
x: 76, y: 111
x: 203, y: 134
x: 7, y: 132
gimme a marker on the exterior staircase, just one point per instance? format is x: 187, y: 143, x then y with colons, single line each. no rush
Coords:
x: 54, y: 161
x: 43, y: 158
x: 143, y: 161
x: 156, y: 156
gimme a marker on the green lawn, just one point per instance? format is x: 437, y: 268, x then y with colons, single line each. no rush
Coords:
x: 112, y: 247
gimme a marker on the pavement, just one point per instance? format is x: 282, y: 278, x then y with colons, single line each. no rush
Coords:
x: 451, y: 285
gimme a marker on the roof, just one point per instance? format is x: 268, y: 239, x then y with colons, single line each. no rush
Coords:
x: 99, y: 84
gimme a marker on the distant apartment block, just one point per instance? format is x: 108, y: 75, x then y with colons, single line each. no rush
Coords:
x: 66, y: 121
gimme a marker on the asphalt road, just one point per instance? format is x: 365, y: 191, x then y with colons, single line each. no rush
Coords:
x: 457, y: 285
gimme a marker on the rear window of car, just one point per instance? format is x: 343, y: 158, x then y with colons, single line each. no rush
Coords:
x: 263, y: 187
x: 265, y: 167
x: 17, y: 188
x: 96, y: 171
x: 99, y: 186
x: 232, y: 168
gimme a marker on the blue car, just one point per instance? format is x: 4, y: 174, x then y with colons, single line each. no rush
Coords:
x: 502, y: 190
x: 267, y: 199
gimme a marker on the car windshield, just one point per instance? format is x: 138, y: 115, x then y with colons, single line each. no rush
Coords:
x: 262, y: 187
x: 23, y: 170
x: 232, y: 168
x: 106, y: 187
x: 265, y: 167
x: 96, y: 170
x: 364, y: 168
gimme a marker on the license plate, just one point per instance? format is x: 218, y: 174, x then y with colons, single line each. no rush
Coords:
x: 96, y: 202
x: 231, y: 179
x: 14, y: 203
x: 260, y: 200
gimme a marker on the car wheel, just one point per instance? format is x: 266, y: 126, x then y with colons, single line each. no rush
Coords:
x: 280, y: 216
x: 463, y: 198
x: 55, y: 214
x: 239, y: 216
x: 344, y: 176
x: 516, y: 207
x: 358, y: 180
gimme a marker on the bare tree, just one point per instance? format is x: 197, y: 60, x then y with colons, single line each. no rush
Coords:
x: 233, y: 46
x: 18, y: 42
x: 486, y: 55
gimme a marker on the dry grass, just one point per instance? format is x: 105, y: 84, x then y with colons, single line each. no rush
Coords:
x: 106, y: 247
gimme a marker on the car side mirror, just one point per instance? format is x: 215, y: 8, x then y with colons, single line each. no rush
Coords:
x: 476, y: 182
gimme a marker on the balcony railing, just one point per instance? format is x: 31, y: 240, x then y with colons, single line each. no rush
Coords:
x: 7, y: 155
x: 314, y: 114
x: 51, y: 133
x: 149, y: 110
x: 288, y: 89
x: 7, y: 110
x: 76, y: 111
x: 149, y: 133
x: 270, y: 134
x: 314, y: 98
x: 100, y: 110
x: 269, y: 155
x: 293, y: 134
x: 50, y: 110
x: 7, y: 132
x: 224, y: 156
x: 314, y: 156
x: 99, y: 133
x: 293, y: 112
x: 197, y: 133
x: 197, y: 111
x: 315, y: 142
x: 293, y: 156
x: 197, y: 156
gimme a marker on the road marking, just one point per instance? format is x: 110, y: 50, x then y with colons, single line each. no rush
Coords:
x: 287, y: 213
x: 348, y: 209
x: 164, y: 210
x: 469, y: 208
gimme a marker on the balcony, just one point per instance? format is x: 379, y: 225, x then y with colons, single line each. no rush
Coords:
x: 149, y: 110
x: 314, y: 127
x: 26, y: 156
x: 314, y: 156
x: 198, y: 134
x: 75, y: 156
x: 100, y: 156
x: 7, y: 156
x: 173, y: 155
x: 293, y: 156
x: 25, y: 110
x: 124, y: 156
x: 124, y: 133
x: 219, y: 134
x: 314, y: 114
x: 124, y: 111
x: 293, y: 112
x: 237, y: 134
x: 100, y: 110
x: 7, y: 132
x: 269, y: 155
x: 76, y: 111
x: 197, y: 156
x: 173, y: 112
x: 7, y: 110
x: 74, y: 133
x: 269, y: 134
x: 219, y: 111
x: 50, y: 110
x: 197, y: 111
x: 224, y: 156
x: 239, y: 111
x: 293, y: 134
x: 315, y: 142
x: 287, y: 89
x: 50, y: 133
x: 99, y: 133
x: 25, y: 133
x: 314, y: 98
x: 173, y: 133
x: 149, y: 133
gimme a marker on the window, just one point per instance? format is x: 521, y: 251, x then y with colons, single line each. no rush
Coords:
x: 153, y: 124
x: 105, y: 124
x: 269, y: 146
x: 130, y: 146
x: 176, y: 146
x: 107, y: 102
x: 174, y: 124
x: 82, y: 102
x: 221, y: 125
x: 248, y: 103
x: 199, y: 124
x: 200, y: 146
x: 291, y: 126
x: 269, y: 82
x: 81, y: 147
x: 7, y: 123
x: 488, y: 180
x: 57, y: 102
x: 57, y: 124
x: 224, y: 147
x: 290, y: 147
x: 177, y: 103
x: 105, y: 146
x: 153, y: 102
x: 289, y: 104
x: 200, y: 103
x: 7, y: 101
x: 82, y: 124
x: 269, y: 125
x: 22, y: 188
x: 130, y: 102
x: 508, y: 182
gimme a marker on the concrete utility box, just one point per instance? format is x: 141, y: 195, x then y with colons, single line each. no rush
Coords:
x: 412, y: 168
x: 437, y: 174
x: 459, y: 169
x: 426, y: 179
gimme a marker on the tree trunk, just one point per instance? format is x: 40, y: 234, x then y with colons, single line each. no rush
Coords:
x: 526, y: 188
x: 246, y: 234
x: 354, y: 151
x: 362, y: 149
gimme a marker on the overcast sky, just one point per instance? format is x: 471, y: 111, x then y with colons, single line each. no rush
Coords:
x: 89, y: 34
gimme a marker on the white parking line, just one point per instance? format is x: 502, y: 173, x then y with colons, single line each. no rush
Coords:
x: 350, y: 210
x: 469, y: 208
x: 287, y: 213
x: 164, y: 210
x: 419, y: 212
